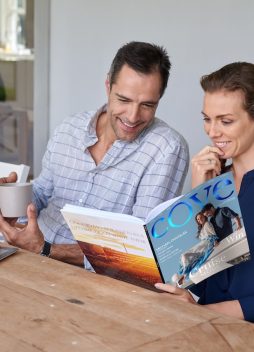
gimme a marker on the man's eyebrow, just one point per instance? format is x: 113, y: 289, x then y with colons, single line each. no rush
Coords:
x: 151, y: 102
x: 122, y: 96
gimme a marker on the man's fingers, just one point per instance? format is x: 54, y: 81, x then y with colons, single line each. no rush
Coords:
x: 10, y: 179
x: 31, y: 211
x: 5, y: 228
x: 32, y: 217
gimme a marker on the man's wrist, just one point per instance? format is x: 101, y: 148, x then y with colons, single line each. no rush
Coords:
x: 46, y: 248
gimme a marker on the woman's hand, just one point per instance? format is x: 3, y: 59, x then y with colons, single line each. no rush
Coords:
x: 206, y: 165
x: 179, y: 293
x: 231, y: 308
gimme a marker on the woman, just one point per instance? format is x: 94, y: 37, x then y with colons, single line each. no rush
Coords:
x: 191, y: 261
x: 205, y: 228
x: 228, y: 112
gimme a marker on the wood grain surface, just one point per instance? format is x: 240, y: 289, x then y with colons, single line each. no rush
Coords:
x: 47, y: 306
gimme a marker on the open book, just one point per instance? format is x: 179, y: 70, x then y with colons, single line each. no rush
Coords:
x: 175, y: 244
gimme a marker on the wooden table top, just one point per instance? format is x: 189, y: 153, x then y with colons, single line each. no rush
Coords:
x: 47, y: 305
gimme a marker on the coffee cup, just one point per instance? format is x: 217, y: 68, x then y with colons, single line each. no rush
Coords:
x: 14, y: 199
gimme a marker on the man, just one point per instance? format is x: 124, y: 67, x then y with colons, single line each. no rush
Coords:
x: 120, y: 158
x: 221, y: 219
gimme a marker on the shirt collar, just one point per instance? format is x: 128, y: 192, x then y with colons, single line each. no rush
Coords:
x: 90, y: 127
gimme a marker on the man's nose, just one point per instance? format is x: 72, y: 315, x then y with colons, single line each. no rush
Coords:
x: 133, y: 114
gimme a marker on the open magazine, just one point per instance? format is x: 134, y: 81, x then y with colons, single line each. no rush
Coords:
x: 183, y: 241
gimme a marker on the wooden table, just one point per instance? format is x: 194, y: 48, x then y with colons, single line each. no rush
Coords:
x: 47, y: 305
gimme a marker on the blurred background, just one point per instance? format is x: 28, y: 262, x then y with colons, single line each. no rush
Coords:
x: 55, y: 55
x: 16, y: 81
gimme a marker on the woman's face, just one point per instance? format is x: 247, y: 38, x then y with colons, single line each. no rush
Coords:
x: 200, y: 219
x: 228, y: 125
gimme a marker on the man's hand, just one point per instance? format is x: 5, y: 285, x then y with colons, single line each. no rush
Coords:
x: 29, y: 237
x: 9, y: 179
x: 238, y: 222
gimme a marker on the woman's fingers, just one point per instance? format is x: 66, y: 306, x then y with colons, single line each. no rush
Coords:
x: 179, y: 293
x: 165, y: 287
x: 206, y: 165
x: 210, y: 149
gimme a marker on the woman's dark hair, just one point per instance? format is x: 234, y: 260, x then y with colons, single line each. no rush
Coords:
x: 199, y: 225
x: 233, y: 77
x: 141, y: 57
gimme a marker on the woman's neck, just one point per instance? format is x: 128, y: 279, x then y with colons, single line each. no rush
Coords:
x: 240, y: 168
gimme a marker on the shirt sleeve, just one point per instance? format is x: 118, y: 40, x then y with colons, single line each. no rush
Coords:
x: 43, y: 184
x: 209, y: 229
x: 247, y: 305
x: 163, y: 180
x: 229, y: 213
x: 199, y: 291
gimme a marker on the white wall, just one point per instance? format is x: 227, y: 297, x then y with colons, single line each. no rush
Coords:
x: 200, y: 36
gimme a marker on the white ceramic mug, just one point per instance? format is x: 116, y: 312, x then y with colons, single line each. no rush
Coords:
x: 14, y: 199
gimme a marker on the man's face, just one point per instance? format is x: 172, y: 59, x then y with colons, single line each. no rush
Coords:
x: 132, y: 102
x: 209, y: 212
x: 228, y: 125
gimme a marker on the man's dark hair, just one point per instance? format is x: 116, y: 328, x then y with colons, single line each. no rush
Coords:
x: 141, y: 57
x: 233, y: 77
x: 206, y: 207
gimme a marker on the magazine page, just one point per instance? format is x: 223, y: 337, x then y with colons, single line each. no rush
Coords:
x: 200, y: 234
x: 113, y: 247
x: 99, y: 214
x: 232, y: 250
x: 159, y: 208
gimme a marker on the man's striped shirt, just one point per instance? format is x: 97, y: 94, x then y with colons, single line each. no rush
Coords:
x: 132, y: 178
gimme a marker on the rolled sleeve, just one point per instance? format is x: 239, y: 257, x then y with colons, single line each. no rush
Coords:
x: 247, y: 305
